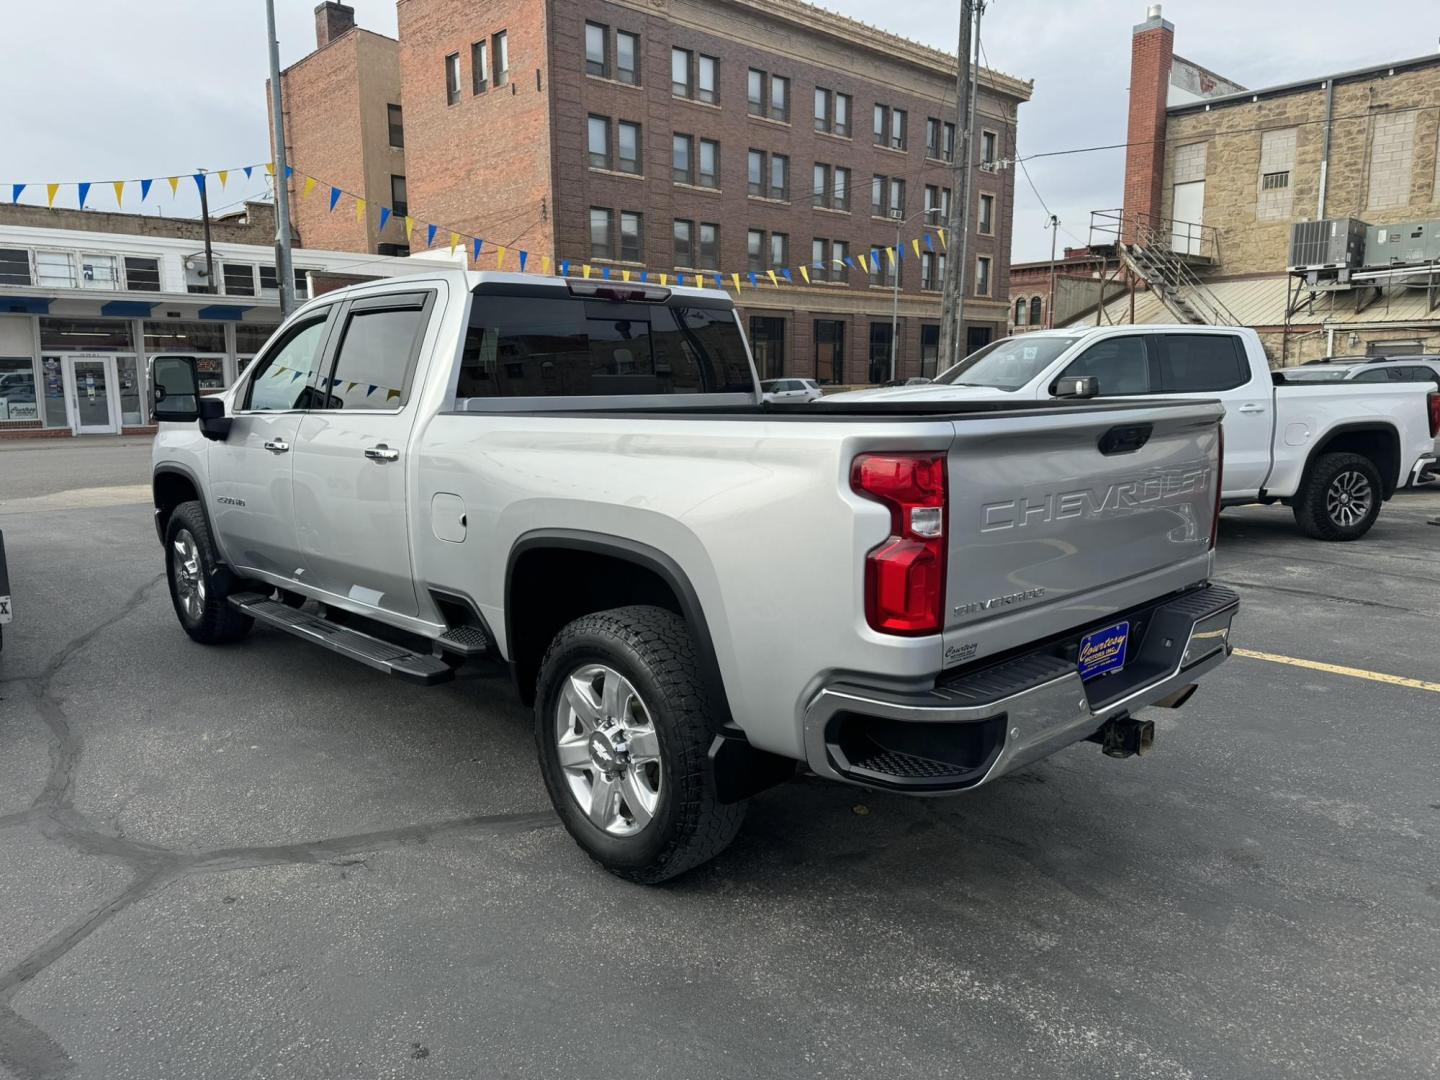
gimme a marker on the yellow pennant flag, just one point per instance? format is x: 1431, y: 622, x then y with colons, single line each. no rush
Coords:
x: 499, y: 258
x: 391, y: 395
x: 944, y: 240
x: 736, y: 279
x: 805, y: 273
x: 224, y: 175
x: 664, y: 280
x: 545, y: 264
x: 270, y: 167
x: 625, y: 276
x: 409, y: 227
x: 50, y: 190
x: 174, y: 182
x: 585, y: 270
x: 773, y: 279
x: 916, y: 245
x: 359, y: 208
x: 305, y: 191
x: 864, y: 262
x: 119, y: 192
x: 454, y: 242
x: 891, y: 252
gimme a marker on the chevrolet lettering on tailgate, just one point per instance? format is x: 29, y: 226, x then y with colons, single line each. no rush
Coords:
x: 1086, y: 502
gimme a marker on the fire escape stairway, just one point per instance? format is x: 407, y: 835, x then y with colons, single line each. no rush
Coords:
x: 1170, y: 276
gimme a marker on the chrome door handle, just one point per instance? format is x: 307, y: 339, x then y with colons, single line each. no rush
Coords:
x: 382, y: 453
x: 1252, y: 409
x: 278, y: 447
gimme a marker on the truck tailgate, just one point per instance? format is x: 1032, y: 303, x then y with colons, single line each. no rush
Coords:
x: 1059, y: 521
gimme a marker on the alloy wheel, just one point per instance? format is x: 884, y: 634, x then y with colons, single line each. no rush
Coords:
x: 189, y: 575
x: 1349, y: 499
x: 608, y: 750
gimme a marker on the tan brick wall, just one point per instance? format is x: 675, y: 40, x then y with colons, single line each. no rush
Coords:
x: 1367, y: 131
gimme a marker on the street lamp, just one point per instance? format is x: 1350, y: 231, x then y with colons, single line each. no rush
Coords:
x: 900, y: 222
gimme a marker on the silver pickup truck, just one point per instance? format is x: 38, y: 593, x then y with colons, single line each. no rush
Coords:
x: 697, y: 591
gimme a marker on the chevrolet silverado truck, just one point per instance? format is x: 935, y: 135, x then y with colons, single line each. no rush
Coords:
x: 697, y: 591
x: 1331, y: 452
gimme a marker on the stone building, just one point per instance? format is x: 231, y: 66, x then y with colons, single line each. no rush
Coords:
x: 1221, y: 175
x: 715, y: 136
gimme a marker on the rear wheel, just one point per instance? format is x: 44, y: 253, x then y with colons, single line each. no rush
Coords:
x: 1340, y: 498
x: 623, y: 725
x: 200, y: 584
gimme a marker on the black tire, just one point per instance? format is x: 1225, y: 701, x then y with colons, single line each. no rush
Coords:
x: 653, y: 649
x: 1326, y: 504
x: 208, y: 617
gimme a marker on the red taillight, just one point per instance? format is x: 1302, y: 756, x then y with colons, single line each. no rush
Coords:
x: 1435, y: 416
x: 905, y: 576
x: 1219, y: 487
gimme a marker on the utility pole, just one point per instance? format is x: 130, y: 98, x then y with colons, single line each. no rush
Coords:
x: 1050, y: 308
x: 952, y: 305
x: 205, y: 220
x: 895, y: 301
x: 284, y: 274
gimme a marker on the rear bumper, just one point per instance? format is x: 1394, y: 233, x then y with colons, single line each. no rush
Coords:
x: 967, y: 731
x: 1426, y: 471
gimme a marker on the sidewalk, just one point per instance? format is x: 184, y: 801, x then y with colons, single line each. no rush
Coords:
x: 76, y: 442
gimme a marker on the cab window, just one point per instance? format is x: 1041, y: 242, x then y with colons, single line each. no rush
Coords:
x: 1202, y: 363
x: 1121, y: 364
x: 283, y: 379
x: 379, y: 347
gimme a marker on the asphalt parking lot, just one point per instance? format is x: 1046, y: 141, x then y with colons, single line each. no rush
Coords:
x: 262, y: 861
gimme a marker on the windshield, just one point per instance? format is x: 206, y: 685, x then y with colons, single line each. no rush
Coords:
x: 1007, y: 364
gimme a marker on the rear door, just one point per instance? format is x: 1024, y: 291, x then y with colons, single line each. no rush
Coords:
x: 350, y: 458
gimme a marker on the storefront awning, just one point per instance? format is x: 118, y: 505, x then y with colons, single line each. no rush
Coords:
x: 25, y: 305
x: 223, y: 313
x: 127, y: 309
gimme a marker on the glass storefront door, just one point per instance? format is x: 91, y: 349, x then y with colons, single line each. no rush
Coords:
x: 90, y: 388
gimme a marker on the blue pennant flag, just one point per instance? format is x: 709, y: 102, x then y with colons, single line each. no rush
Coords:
x: 430, y: 235
x: 384, y: 217
x: 605, y: 272
x: 335, y: 194
x: 929, y: 241
x: 849, y: 261
x: 84, y: 193
x: 295, y: 376
x: 524, y: 258
x: 679, y: 279
x: 900, y: 253
x: 199, y: 179
x: 719, y: 282
x: 145, y: 188
x: 644, y: 276
x: 477, y: 246
x: 248, y: 170
x: 788, y: 276
x: 752, y: 280
x: 370, y: 391
x: 565, y: 269
x: 15, y: 190
x: 289, y: 171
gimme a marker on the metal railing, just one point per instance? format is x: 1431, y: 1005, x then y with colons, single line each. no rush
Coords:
x: 1164, y: 252
x: 1191, y: 239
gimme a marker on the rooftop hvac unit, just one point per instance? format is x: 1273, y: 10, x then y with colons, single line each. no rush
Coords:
x: 1407, y: 244
x: 1332, y: 244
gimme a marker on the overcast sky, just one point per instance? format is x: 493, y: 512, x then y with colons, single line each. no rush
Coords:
x: 98, y: 91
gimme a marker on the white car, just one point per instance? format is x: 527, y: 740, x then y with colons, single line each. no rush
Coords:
x: 791, y: 390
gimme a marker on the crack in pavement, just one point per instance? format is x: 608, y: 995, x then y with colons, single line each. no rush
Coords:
x: 27, y: 1050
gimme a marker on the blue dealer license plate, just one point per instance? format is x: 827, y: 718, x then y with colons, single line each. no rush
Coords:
x: 1103, y: 651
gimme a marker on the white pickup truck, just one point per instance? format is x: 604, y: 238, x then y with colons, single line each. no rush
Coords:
x: 1332, y: 452
x: 695, y: 589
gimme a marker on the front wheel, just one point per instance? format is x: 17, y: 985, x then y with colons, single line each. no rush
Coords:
x: 623, y: 724
x: 1340, y: 498
x: 200, y: 584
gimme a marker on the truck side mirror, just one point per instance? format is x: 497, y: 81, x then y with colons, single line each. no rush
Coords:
x: 177, y: 389
x: 1077, y: 386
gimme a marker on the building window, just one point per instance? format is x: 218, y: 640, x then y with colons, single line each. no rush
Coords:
x: 627, y: 57
x: 239, y: 279
x: 932, y: 270
x: 768, y: 95
x: 779, y: 98
x: 55, y: 269
x: 1273, y: 181
x: 684, y: 243
x: 755, y: 251
x: 709, y: 247
x: 98, y: 272
x: 1022, y: 311
x: 832, y: 112
x: 709, y: 163
x: 929, y: 350
x: 682, y: 159
x: 697, y: 79
x: 877, y: 196
x: 883, y: 267
x: 397, y: 126
x: 890, y: 127
x: 937, y: 206
x: 601, y: 246
x: 779, y: 251
x: 939, y: 140
x: 987, y: 147
x: 399, y: 204
x: 599, y: 128
x: 840, y: 261
x: 452, y: 79
x: 779, y: 176
x: 987, y: 215
x: 628, y: 145
x: 897, y: 197
x: 500, y: 52
x: 479, y: 69
x: 597, y: 59
x: 982, y: 275
x: 708, y: 80
x: 769, y: 176
x: 822, y: 184
x: 680, y: 83
x: 14, y: 266
x: 830, y: 351
x: 141, y: 275
x: 1036, y: 312
x: 880, y: 337
x: 767, y: 343
x: 819, y: 260
x: 632, y: 236
x: 755, y: 92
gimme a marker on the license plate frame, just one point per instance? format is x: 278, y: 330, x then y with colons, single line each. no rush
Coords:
x: 1103, y: 651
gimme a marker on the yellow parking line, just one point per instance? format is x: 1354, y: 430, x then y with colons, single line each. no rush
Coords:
x: 1336, y: 669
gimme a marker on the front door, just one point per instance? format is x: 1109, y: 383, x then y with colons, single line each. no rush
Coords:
x: 1186, y: 218
x: 352, y: 457
x: 90, y: 391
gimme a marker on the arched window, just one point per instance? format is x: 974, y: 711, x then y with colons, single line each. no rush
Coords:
x: 1036, y: 317
x: 1020, y: 312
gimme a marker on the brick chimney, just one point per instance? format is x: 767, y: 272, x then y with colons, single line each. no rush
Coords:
x: 331, y: 20
x: 1152, y: 48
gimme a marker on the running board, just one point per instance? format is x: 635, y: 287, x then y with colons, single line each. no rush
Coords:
x: 383, y: 656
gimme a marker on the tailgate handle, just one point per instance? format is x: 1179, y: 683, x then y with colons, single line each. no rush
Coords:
x: 1126, y: 439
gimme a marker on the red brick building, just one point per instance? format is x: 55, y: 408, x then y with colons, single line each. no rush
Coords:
x: 723, y: 136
